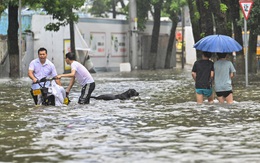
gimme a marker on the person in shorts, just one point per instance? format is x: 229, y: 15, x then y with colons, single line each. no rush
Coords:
x: 224, y: 72
x: 83, y: 77
x: 203, y: 74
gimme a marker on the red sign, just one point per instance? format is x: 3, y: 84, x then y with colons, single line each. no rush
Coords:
x: 246, y: 6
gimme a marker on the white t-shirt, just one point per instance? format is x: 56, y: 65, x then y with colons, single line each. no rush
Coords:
x: 82, y: 75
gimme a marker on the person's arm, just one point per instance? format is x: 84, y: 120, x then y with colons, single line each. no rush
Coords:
x: 31, y: 76
x: 212, y: 74
x: 72, y: 74
x: 231, y: 75
x: 232, y: 70
x: 72, y: 80
x: 193, y: 74
x: 194, y: 70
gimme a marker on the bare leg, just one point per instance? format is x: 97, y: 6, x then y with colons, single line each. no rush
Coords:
x: 221, y: 99
x: 229, y: 98
x: 199, y: 98
x: 211, y: 98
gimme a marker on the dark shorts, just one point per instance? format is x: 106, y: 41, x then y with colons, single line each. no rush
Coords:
x: 204, y: 92
x: 223, y: 93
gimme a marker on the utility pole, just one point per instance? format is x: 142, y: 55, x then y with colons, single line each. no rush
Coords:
x: 246, y: 6
x: 133, y: 38
x: 20, y: 38
x: 182, y: 41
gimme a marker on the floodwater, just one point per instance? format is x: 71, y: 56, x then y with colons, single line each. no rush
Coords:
x: 163, y: 124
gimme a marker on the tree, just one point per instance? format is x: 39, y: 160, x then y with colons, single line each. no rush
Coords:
x: 201, y: 20
x: 195, y: 17
x: 12, y: 34
x: 143, y: 7
x: 219, y: 16
x: 157, y: 4
x: 172, y: 8
x: 62, y: 11
x: 205, y: 20
x: 3, y: 5
x: 207, y: 15
x: 234, y: 14
x: 254, y: 28
x: 101, y: 8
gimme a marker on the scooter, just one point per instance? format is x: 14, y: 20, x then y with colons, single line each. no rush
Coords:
x: 52, y: 95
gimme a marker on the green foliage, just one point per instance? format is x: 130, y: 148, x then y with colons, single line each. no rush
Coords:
x: 254, y: 18
x: 171, y: 6
x: 62, y: 10
x: 101, y: 8
x: 206, y: 5
x: 2, y: 8
x: 143, y: 7
x: 202, y: 35
x: 54, y: 26
x: 3, y: 5
x: 196, y: 15
x: 223, y: 8
x: 153, y: 2
x: 194, y: 3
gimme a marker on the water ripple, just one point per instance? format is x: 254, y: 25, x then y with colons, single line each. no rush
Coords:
x: 163, y: 124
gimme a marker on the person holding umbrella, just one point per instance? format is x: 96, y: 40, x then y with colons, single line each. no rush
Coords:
x: 203, y: 73
x: 223, y: 69
x: 224, y: 72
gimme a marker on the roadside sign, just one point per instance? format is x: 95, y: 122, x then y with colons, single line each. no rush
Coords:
x: 246, y: 6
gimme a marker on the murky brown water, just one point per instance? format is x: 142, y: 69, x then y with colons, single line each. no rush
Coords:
x: 163, y: 124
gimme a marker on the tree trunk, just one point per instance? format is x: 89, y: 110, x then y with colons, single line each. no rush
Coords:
x: 72, y: 38
x: 155, y: 35
x: 122, y: 3
x: 114, y: 8
x: 234, y: 10
x: 254, y: 28
x: 195, y: 25
x: 12, y: 33
x: 205, y: 21
x: 252, y: 61
x: 219, y: 17
x: 168, y: 58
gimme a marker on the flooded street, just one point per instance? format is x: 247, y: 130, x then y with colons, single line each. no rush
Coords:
x: 163, y: 124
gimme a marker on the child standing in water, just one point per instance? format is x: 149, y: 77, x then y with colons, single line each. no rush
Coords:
x: 203, y: 73
x: 224, y: 72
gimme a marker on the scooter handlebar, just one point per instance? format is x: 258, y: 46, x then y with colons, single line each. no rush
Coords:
x: 46, y: 79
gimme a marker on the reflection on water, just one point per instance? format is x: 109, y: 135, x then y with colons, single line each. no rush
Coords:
x: 163, y: 124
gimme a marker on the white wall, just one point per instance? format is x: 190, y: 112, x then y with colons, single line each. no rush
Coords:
x: 189, y: 42
x: 54, y: 41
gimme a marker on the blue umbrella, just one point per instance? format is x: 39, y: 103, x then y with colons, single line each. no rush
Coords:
x: 218, y: 44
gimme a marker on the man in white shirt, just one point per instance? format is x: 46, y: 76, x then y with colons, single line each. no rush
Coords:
x: 40, y: 68
x: 83, y: 77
